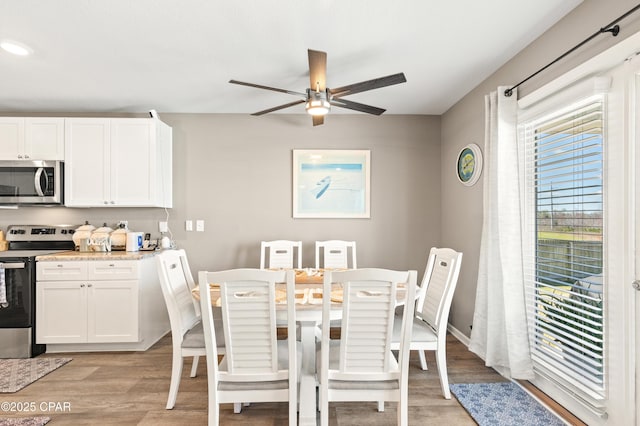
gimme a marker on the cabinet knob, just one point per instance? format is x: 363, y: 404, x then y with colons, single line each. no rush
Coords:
x: 81, y: 285
x: 106, y: 202
x: 111, y: 265
x: 19, y: 155
x: 113, y: 202
x: 89, y: 285
x: 60, y: 265
x: 26, y: 156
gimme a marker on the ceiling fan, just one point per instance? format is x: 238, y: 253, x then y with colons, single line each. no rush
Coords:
x: 319, y: 99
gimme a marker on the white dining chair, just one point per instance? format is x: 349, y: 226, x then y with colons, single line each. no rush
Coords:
x: 256, y: 366
x: 360, y: 366
x: 333, y: 254
x: 187, y: 334
x: 283, y: 254
x: 432, y: 311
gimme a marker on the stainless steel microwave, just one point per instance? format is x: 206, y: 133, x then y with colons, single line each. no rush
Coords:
x: 31, y: 182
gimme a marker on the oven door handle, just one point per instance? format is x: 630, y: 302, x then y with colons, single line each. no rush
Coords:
x: 12, y: 265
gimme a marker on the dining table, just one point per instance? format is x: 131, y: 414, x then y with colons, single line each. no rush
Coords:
x: 308, y: 316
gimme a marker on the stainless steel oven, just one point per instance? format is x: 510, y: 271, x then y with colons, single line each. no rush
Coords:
x: 18, y: 285
x: 31, y: 182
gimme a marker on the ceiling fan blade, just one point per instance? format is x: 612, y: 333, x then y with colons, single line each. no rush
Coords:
x: 317, y: 70
x: 290, y: 104
x: 317, y: 119
x: 275, y: 89
x: 363, y: 86
x: 356, y: 106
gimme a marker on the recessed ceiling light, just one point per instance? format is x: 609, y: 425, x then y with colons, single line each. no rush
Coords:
x: 15, y: 48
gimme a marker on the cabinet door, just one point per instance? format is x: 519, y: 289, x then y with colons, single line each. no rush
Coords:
x: 132, y: 162
x: 112, y: 311
x: 61, y: 312
x: 87, y: 162
x: 44, y: 138
x: 11, y: 138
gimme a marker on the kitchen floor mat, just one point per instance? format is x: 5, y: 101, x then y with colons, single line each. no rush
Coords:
x: 15, y: 374
x: 503, y: 404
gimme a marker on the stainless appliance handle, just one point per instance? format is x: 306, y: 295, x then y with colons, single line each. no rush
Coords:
x: 36, y: 181
x: 12, y: 265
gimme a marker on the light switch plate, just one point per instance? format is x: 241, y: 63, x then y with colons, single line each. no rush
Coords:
x: 188, y: 225
x: 163, y: 227
x: 200, y: 225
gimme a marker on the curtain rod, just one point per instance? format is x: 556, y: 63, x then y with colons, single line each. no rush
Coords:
x: 610, y: 28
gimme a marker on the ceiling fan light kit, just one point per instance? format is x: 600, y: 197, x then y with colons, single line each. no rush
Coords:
x: 318, y: 101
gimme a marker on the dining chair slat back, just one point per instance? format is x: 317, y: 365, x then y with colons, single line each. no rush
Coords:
x: 368, y: 308
x: 432, y: 310
x: 187, y: 335
x: 360, y: 365
x: 280, y: 254
x: 437, y: 294
x: 248, y: 312
x: 256, y: 367
x: 334, y: 254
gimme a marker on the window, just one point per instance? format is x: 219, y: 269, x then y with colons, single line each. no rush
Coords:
x: 564, y: 278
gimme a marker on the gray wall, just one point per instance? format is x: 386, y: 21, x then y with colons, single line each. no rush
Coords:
x: 234, y: 172
x: 464, y: 123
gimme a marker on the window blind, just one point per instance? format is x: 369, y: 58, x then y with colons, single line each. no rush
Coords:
x: 564, y: 167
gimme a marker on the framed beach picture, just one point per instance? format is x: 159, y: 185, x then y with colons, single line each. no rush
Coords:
x: 331, y: 183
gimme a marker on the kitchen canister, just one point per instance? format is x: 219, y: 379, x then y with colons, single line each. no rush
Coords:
x: 134, y: 241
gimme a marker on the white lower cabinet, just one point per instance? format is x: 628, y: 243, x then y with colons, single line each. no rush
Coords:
x: 112, y: 311
x: 61, y: 312
x: 87, y: 302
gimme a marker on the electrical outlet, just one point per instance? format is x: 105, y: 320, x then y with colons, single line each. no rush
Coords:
x: 188, y: 225
x: 200, y: 225
x: 163, y: 227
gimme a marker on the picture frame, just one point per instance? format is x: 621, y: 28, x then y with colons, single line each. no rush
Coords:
x: 331, y: 183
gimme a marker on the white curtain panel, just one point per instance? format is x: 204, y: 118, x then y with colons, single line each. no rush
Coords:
x: 499, y: 334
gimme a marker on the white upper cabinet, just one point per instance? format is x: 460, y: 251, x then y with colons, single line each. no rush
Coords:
x: 117, y: 162
x: 31, y: 138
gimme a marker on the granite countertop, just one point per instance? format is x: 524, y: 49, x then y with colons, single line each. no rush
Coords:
x: 110, y: 255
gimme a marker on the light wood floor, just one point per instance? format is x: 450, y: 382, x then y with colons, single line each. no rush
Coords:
x: 130, y: 388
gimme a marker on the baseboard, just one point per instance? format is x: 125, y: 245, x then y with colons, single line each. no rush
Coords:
x: 459, y: 335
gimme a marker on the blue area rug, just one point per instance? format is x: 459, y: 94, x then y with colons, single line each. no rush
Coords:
x: 503, y: 403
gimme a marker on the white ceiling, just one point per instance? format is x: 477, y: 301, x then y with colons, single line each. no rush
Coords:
x: 178, y: 55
